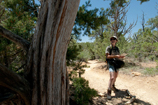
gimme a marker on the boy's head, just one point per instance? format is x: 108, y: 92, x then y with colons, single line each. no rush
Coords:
x: 113, y: 40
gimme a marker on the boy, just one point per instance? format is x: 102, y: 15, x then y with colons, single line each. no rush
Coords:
x: 112, y: 52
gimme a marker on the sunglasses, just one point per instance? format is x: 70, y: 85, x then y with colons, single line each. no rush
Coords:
x: 113, y: 39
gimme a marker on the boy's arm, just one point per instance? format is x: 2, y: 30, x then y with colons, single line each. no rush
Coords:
x: 113, y: 56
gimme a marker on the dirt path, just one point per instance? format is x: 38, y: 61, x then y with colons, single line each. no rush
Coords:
x: 144, y: 88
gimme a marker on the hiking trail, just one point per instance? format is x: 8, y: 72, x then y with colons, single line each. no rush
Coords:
x: 143, y: 87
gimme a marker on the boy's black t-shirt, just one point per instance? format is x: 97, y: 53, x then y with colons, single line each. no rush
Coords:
x: 112, y: 50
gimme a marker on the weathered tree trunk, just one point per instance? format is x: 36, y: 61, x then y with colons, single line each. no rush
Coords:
x: 46, y: 71
x: 47, y: 54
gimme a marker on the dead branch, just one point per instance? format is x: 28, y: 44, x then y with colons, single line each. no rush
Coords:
x: 130, y: 27
x: 14, y: 82
x: 24, y: 44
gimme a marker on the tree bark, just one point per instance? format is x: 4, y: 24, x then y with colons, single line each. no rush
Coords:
x: 46, y: 65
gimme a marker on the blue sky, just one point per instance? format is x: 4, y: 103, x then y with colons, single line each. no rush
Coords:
x: 135, y: 10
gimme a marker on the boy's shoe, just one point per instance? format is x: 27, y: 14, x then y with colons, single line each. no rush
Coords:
x: 108, y: 94
x: 114, y: 88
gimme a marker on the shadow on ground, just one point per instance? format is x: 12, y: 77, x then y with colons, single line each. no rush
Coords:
x: 120, y: 98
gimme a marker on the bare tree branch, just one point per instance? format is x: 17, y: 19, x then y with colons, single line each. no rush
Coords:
x: 119, y: 21
x: 2, y: 10
x: 15, y: 38
x: 14, y: 82
x: 130, y: 27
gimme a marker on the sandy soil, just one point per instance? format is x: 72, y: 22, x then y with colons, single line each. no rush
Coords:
x: 144, y: 88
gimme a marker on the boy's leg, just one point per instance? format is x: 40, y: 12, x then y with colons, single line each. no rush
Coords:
x: 110, y: 85
x: 113, y: 84
x: 111, y: 80
x: 115, y: 77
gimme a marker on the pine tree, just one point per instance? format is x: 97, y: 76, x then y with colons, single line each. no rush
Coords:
x: 19, y: 17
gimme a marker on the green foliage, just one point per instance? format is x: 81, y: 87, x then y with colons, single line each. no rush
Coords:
x: 87, y: 51
x: 19, y: 17
x: 83, y: 93
x: 143, y: 45
x: 88, y: 20
x: 100, y: 48
x: 84, y: 55
x: 72, y: 52
x: 151, y: 71
x: 123, y: 44
x: 120, y: 3
x: 153, y: 22
x: 91, y: 50
x: 77, y: 70
x: 75, y: 59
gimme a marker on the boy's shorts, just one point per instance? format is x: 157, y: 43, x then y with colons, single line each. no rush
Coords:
x: 111, y: 68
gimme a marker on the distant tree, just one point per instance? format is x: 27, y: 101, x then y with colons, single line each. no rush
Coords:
x: 99, y: 33
x: 153, y: 22
x: 143, y: 22
x: 88, y: 20
x: 144, y: 44
x: 118, y: 20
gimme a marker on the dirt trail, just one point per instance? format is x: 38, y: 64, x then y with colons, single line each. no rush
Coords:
x: 144, y: 88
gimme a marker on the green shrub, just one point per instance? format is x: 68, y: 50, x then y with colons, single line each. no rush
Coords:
x: 84, y: 55
x: 83, y: 93
x: 151, y: 71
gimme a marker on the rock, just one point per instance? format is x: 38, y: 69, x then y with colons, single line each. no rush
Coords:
x: 136, y: 73
x: 108, y: 103
x: 101, y: 94
x: 125, y: 99
x: 131, y: 100
x: 95, y: 98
